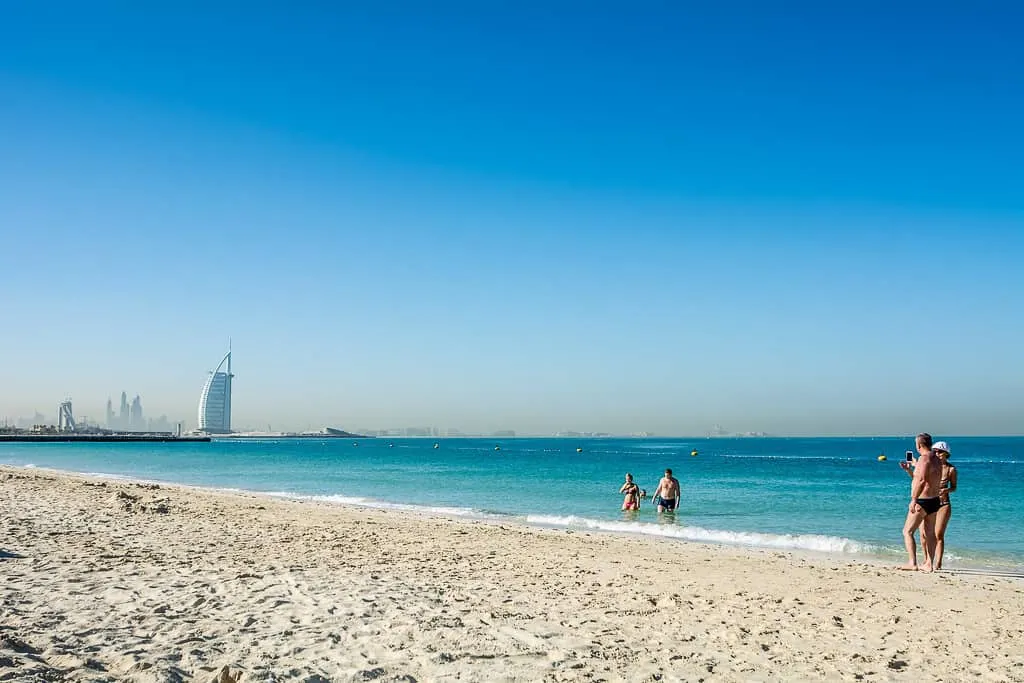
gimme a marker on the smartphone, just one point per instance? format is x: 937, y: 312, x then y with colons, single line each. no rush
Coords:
x: 910, y: 456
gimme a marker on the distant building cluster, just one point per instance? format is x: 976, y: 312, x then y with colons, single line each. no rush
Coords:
x: 130, y: 418
x: 399, y: 432
x: 434, y: 432
x: 27, y: 422
x: 719, y: 431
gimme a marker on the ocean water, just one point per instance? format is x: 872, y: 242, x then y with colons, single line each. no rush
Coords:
x: 829, y: 495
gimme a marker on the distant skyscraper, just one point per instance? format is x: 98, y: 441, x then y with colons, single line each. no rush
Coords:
x: 136, y: 422
x: 122, y: 422
x: 65, y: 417
x: 110, y: 415
x: 215, y: 401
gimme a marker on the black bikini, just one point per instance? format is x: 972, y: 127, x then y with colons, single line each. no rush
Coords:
x: 944, y: 487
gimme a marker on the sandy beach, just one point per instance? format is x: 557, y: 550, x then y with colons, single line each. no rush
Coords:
x: 117, y: 581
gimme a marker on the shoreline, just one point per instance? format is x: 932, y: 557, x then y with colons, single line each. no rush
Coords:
x: 424, y: 512
x: 116, y: 580
x: 868, y: 553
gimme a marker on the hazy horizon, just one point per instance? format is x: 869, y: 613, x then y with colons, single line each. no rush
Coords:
x: 618, y: 220
x: 243, y: 421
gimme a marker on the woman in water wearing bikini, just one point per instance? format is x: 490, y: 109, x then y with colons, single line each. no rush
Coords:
x: 632, y: 494
x: 946, y: 486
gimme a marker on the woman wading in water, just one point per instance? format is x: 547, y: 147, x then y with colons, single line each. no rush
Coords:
x: 632, y: 494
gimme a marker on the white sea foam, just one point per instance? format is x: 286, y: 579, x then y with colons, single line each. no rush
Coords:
x: 831, y: 544
x: 119, y: 477
x: 382, y: 504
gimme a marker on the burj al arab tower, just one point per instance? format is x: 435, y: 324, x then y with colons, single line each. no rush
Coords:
x: 215, y: 401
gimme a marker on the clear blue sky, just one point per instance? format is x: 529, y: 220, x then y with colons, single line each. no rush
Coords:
x: 595, y: 216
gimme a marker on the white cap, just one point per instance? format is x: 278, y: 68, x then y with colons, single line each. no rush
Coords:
x: 940, y: 446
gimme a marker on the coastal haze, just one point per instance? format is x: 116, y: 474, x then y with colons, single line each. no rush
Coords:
x: 492, y: 220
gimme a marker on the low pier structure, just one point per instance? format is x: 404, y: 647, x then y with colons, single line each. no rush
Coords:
x: 71, y: 437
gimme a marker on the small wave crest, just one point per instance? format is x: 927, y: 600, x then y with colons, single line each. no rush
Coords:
x: 830, y: 544
x: 115, y: 477
x: 382, y: 504
x: 819, y: 543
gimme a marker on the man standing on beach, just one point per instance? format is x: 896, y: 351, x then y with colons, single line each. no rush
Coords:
x: 666, y: 496
x: 924, y: 503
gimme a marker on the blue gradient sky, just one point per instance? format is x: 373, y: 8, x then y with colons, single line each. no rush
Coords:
x: 538, y: 216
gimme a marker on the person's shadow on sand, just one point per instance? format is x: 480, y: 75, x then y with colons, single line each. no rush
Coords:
x: 4, y: 555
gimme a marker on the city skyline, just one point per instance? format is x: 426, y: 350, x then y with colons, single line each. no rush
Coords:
x: 164, y: 424
x: 129, y: 418
x: 616, y: 221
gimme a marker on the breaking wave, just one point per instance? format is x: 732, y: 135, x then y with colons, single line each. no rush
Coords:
x: 813, y: 542
x: 829, y: 544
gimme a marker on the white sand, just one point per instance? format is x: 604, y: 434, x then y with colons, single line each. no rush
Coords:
x: 174, y: 584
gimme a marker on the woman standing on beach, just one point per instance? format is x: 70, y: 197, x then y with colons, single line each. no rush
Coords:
x: 946, y: 486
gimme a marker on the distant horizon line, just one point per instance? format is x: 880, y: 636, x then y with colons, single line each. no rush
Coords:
x: 504, y: 434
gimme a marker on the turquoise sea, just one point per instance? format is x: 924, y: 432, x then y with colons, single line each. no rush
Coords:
x: 825, y: 494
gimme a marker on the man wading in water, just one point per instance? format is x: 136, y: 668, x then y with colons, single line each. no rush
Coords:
x: 667, y: 495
